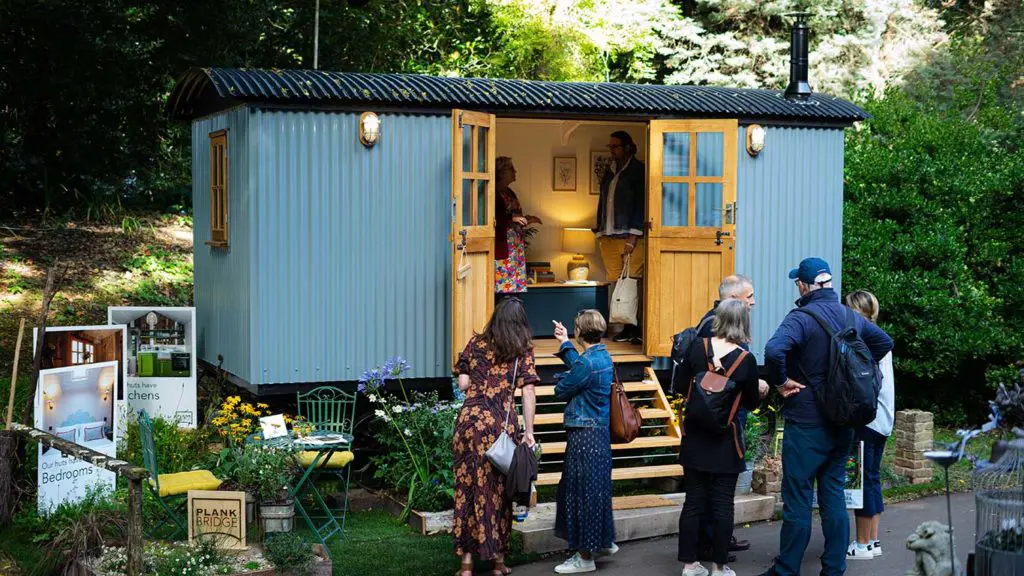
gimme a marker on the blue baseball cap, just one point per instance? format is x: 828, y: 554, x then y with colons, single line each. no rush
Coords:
x: 809, y: 271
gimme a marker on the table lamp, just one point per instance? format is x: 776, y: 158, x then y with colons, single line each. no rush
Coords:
x: 579, y: 241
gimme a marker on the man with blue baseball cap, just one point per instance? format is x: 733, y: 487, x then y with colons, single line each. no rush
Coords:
x: 813, y: 449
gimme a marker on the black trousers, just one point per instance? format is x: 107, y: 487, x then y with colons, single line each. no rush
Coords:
x: 704, y: 489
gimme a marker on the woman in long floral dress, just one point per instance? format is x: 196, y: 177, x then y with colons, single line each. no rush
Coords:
x: 510, y: 237
x: 482, y: 521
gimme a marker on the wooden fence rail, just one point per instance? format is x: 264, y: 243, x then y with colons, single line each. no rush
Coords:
x: 133, y: 474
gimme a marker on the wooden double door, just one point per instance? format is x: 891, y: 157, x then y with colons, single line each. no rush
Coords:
x: 691, y: 223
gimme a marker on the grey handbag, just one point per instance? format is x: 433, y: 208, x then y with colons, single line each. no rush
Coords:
x: 500, y: 453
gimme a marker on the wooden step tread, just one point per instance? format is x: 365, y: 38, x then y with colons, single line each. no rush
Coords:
x: 644, y: 442
x: 662, y: 471
x: 645, y: 386
x: 617, y: 359
x: 645, y: 413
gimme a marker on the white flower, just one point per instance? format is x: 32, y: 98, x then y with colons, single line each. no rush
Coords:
x: 372, y: 397
x: 397, y: 409
x: 379, y: 414
x: 408, y: 432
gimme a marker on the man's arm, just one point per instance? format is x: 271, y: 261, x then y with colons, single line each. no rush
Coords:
x: 877, y: 340
x: 787, y: 337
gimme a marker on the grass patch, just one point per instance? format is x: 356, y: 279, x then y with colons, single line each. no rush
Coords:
x: 900, y: 489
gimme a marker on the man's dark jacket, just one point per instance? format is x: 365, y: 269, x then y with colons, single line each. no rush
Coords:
x: 799, y: 350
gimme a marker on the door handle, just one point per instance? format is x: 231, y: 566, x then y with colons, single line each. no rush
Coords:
x: 729, y: 212
x: 462, y: 243
x: 718, y: 237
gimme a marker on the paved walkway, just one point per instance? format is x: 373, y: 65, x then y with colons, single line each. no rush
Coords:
x: 658, y: 557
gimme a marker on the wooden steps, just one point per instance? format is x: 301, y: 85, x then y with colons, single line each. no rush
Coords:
x: 647, y: 449
x: 645, y: 413
x: 641, y: 443
x: 634, y: 473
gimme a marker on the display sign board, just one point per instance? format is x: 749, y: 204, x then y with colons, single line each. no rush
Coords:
x: 75, y: 403
x: 854, y: 487
x: 77, y: 346
x: 217, y: 514
x: 161, y: 360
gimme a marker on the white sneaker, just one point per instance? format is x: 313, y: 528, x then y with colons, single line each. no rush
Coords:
x: 576, y: 565
x: 608, y: 551
x: 876, y: 548
x: 697, y: 570
x: 726, y: 571
x: 856, y: 552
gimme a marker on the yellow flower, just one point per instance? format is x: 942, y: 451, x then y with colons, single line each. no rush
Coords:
x: 262, y: 405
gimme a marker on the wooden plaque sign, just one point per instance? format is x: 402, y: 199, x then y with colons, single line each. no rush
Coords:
x: 217, y: 514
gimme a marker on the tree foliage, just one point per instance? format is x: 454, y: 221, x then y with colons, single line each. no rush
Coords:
x: 933, y: 227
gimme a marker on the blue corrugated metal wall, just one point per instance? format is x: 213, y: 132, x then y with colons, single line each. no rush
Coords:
x: 790, y: 206
x: 222, y: 276
x: 351, y: 256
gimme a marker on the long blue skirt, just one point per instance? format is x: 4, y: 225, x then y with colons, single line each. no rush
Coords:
x: 583, y: 512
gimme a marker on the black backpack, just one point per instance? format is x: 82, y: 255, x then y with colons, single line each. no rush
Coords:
x: 849, y: 395
x: 681, y: 343
x: 714, y: 398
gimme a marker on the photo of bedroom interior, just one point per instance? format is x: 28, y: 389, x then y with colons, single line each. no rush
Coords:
x: 78, y: 404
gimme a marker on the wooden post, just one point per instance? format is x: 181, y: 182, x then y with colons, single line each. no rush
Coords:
x: 134, y: 527
x: 14, y: 374
x: 52, y: 285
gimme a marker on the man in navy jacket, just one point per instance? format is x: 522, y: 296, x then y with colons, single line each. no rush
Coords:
x: 797, y: 360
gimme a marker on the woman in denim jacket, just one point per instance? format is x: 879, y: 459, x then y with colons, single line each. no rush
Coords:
x: 583, y: 514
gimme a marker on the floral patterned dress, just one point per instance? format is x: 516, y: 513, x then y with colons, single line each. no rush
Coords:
x: 482, y: 522
x: 510, y: 267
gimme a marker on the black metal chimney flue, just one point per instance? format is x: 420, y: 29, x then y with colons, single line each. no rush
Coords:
x: 798, y: 88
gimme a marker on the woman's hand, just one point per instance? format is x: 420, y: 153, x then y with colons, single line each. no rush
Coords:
x: 762, y: 388
x: 534, y: 220
x: 560, y: 332
x: 529, y: 440
x: 520, y: 220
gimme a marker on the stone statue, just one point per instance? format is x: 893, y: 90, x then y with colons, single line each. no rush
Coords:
x: 930, y: 544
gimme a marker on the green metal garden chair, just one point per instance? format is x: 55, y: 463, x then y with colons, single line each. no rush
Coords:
x: 332, y: 410
x: 170, y: 490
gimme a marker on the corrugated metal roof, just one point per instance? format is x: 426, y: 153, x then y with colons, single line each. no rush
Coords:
x: 205, y: 90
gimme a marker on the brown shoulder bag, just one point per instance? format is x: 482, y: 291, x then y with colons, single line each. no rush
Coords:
x: 624, y: 421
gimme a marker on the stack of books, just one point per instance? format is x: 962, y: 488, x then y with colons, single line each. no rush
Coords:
x: 537, y: 272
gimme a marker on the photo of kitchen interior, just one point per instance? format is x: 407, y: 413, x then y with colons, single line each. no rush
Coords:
x: 159, y: 341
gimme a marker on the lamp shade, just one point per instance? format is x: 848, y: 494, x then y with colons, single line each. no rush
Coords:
x: 578, y: 240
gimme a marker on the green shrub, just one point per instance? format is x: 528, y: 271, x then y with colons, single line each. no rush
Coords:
x: 289, y: 553
x: 427, y: 425
x: 932, y: 225
x: 262, y: 471
x: 177, y: 449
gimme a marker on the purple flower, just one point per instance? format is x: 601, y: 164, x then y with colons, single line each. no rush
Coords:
x: 371, y: 380
x: 395, y: 367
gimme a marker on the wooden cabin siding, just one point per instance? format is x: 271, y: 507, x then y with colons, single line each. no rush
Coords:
x: 351, y: 259
x: 221, y: 275
x: 790, y: 206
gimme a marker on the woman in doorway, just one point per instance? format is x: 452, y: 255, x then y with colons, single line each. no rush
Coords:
x: 867, y: 545
x: 510, y: 232
x: 712, y: 459
x: 583, y: 512
x: 490, y: 368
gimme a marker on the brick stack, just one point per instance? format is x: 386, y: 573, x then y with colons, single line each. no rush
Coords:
x: 914, y: 431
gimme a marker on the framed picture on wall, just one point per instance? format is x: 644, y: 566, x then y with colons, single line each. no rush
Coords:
x: 600, y: 161
x: 564, y: 174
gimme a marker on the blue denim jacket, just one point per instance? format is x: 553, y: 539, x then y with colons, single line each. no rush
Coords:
x: 587, y: 386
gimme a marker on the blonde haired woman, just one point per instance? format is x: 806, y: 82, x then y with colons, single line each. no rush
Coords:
x: 867, y: 546
x: 583, y: 512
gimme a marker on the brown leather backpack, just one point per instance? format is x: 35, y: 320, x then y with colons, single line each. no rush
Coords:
x: 624, y: 420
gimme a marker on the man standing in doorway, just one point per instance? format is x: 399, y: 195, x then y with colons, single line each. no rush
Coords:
x: 620, y: 218
x: 813, y: 449
x: 740, y: 288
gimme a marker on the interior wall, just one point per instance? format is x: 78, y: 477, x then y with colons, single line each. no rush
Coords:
x: 533, y: 145
x: 78, y: 401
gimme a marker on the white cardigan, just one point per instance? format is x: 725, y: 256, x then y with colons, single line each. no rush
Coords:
x: 886, y: 399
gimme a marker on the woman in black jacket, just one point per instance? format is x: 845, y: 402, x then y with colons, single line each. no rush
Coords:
x: 712, y: 459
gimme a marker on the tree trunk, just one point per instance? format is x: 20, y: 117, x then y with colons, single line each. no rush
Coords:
x: 52, y: 286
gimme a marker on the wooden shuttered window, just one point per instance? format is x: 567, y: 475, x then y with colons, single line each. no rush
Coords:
x: 219, y: 189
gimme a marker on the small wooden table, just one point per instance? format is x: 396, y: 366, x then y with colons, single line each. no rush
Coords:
x: 547, y: 301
